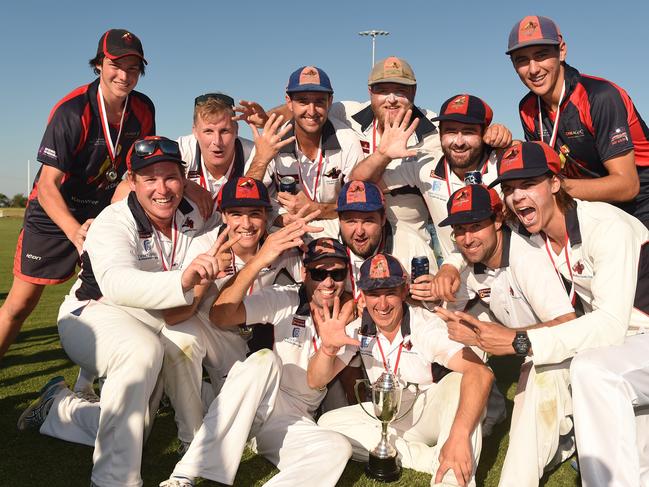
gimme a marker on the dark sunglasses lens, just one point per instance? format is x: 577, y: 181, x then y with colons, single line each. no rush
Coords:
x: 145, y: 147
x: 338, y: 275
x: 169, y: 147
x: 321, y: 274
x: 217, y: 96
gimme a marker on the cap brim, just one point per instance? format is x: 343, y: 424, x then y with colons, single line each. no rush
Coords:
x: 142, y: 163
x: 535, y: 42
x: 333, y: 255
x: 466, y: 217
x: 520, y: 174
x: 362, y: 207
x: 400, y: 81
x: 387, y: 283
x: 113, y: 56
x: 240, y: 203
x: 301, y: 88
x: 458, y: 117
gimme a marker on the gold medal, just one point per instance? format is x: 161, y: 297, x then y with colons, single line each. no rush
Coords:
x: 111, y: 175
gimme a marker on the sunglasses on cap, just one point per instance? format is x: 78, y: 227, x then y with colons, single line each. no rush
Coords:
x: 228, y: 100
x: 337, y: 275
x: 146, y: 147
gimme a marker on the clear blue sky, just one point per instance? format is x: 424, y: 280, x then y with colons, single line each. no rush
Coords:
x: 248, y: 49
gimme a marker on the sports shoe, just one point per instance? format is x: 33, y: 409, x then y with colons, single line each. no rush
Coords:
x: 182, y: 448
x: 177, y: 482
x: 36, y: 412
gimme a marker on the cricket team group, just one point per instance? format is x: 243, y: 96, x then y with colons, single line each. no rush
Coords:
x: 255, y: 282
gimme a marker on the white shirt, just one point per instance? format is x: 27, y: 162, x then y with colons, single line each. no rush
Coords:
x: 421, y: 341
x: 523, y: 291
x: 124, y: 261
x: 602, y: 258
x: 296, y: 340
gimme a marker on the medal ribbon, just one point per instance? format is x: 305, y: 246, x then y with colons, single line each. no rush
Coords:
x: 571, y: 293
x: 385, y: 363
x: 106, y: 127
x: 555, y: 124
x: 311, y: 194
x: 167, y: 265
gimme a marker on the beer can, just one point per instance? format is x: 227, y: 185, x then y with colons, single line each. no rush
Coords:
x: 419, y: 266
x: 288, y: 184
x: 473, y: 177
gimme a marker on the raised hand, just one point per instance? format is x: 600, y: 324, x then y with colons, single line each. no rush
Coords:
x: 331, y: 327
x: 497, y: 136
x: 293, y: 203
x: 396, y: 133
x: 251, y: 112
x: 206, y: 267
x: 201, y: 197
x: 286, y: 238
x: 458, y: 330
x: 446, y: 283
x: 271, y: 140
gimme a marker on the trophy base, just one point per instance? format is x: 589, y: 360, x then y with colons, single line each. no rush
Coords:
x: 383, y: 469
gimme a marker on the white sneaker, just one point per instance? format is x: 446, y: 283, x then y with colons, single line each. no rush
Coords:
x: 177, y: 482
x: 35, y: 414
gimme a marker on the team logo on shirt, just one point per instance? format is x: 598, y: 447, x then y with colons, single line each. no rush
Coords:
x: 484, y: 293
x: 334, y: 173
x: 146, y: 244
x: 188, y: 223
x: 407, y: 343
x: 619, y: 136
x: 578, y: 268
x: 297, y: 321
x: 296, y: 332
x: 365, y: 145
x: 365, y: 341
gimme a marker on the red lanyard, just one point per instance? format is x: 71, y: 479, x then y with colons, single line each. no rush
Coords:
x: 351, y: 276
x: 203, y: 179
x: 112, y: 149
x: 168, y: 265
x: 448, y: 179
x: 311, y: 195
x: 571, y: 293
x: 315, y: 345
x: 555, y: 124
x: 385, y: 363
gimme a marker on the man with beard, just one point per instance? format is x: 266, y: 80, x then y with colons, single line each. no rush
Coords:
x: 591, y: 122
x: 322, y: 155
x: 515, y: 279
x: 267, y: 397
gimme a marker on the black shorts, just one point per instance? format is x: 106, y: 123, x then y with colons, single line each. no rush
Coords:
x: 41, y: 259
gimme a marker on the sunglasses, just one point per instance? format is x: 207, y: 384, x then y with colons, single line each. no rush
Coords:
x: 146, y: 147
x: 228, y: 100
x: 337, y: 275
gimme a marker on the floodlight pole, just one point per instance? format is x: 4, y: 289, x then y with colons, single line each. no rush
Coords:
x: 373, y: 33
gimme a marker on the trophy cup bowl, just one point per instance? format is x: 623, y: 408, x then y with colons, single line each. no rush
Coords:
x: 386, y: 399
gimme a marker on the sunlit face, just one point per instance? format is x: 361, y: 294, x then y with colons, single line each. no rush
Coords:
x: 539, y: 67
x: 309, y: 110
x: 322, y: 292
x: 385, y: 307
x: 119, y: 77
x: 362, y: 231
x: 461, y: 144
x: 387, y: 99
x: 216, y: 138
x: 477, y: 241
x: 159, y: 190
x: 247, y: 222
x: 532, y: 200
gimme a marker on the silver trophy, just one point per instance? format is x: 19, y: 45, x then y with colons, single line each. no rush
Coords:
x: 386, y: 398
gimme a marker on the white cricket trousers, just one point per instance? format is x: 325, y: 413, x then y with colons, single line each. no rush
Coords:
x: 108, y: 342
x: 251, y: 404
x: 418, y: 437
x: 610, y: 395
x: 542, y: 409
x: 187, y: 347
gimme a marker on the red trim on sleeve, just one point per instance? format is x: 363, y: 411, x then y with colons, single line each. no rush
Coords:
x: 529, y: 113
x: 73, y: 94
x: 579, y: 98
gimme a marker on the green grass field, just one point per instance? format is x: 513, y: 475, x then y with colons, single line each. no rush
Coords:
x: 31, y: 460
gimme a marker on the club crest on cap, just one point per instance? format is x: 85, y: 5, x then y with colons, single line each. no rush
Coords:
x: 128, y: 37
x: 392, y: 67
x: 462, y: 200
x: 325, y: 246
x: 356, y: 193
x: 529, y: 28
x: 309, y: 76
x: 460, y: 104
x: 379, y: 268
x: 512, y: 159
x: 246, y: 188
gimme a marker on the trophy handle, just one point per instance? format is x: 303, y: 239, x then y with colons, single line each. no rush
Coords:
x: 358, y: 396
x: 417, y: 393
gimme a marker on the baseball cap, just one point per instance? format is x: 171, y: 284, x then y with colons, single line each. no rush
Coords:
x: 309, y: 78
x: 360, y: 196
x: 324, y: 248
x: 242, y: 191
x: 470, y: 204
x: 392, y: 70
x: 527, y: 160
x: 117, y: 43
x: 466, y: 109
x: 152, y: 149
x: 533, y: 30
x: 381, y: 271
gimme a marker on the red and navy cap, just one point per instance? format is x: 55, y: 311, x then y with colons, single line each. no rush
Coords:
x: 152, y: 149
x: 243, y: 191
x: 360, y: 196
x: 117, y: 43
x: 381, y: 271
x: 527, y: 160
x: 533, y: 30
x: 465, y: 109
x: 471, y: 204
x: 309, y: 78
x: 324, y: 248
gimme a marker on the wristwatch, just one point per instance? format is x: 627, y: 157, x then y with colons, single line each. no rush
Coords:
x: 521, y: 344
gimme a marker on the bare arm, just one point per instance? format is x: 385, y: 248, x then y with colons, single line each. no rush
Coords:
x: 457, y: 452
x: 622, y: 183
x: 121, y: 191
x: 179, y: 314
